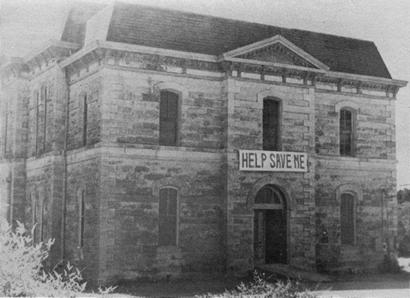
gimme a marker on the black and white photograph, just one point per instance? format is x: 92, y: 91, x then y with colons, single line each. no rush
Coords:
x: 205, y: 148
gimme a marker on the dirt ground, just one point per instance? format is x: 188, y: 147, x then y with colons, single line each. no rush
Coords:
x: 352, y: 286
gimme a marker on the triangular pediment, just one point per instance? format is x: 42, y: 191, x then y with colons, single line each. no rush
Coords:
x: 275, y: 50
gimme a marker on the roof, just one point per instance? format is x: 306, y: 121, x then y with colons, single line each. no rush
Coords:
x: 74, y: 28
x: 176, y: 30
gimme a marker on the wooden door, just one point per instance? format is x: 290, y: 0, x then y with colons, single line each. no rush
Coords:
x: 276, y: 237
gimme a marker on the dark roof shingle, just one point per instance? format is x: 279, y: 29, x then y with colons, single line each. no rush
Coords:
x: 176, y: 30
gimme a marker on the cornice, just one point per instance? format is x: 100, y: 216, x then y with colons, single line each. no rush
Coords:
x: 98, y: 50
x: 52, y: 50
x: 364, y: 78
x: 13, y: 68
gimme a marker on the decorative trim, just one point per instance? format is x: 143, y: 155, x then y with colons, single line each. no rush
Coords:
x: 52, y: 43
x: 346, y: 104
x: 274, y: 64
x: 187, y: 60
x: 281, y: 184
x: 367, y: 79
x: 270, y: 41
x: 349, y: 188
x: 177, y: 88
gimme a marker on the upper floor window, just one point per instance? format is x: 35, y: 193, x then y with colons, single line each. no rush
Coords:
x: 347, y: 218
x: 37, y: 102
x: 45, y: 99
x: 6, y: 120
x: 167, y: 217
x: 346, y: 132
x: 168, y: 118
x: 271, y: 124
x: 85, y: 119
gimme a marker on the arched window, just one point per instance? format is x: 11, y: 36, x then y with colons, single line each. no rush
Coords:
x: 271, y: 124
x: 347, y: 218
x: 85, y: 118
x: 346, y: 132
x: 168, y: 118
x: 270, y: 195
x: 81, y: 218
x: 167, y: 217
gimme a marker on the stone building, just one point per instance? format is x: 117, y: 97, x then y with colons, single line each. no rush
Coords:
x: 150, y: 142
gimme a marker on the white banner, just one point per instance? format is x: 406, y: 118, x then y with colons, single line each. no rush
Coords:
x: 272, y: 161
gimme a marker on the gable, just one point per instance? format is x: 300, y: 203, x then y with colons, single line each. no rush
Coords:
x: 277, y: 50
x: 276, y: 53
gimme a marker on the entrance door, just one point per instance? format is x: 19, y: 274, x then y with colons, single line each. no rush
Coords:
x: 276, y: 251
x: 270, y: 230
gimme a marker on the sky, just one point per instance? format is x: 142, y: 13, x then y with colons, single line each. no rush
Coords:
x: 26, y: 24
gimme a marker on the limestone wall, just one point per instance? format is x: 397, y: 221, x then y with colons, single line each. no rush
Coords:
x: 131, y: 109
x: 244, y: 130
x: 371, y: 172
x: 131, y: 180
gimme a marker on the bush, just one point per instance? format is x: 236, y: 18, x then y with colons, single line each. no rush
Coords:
x: 21, y: 267
x: 259, y: 287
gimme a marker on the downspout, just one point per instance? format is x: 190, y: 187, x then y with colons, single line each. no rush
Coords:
x: 65, y: 191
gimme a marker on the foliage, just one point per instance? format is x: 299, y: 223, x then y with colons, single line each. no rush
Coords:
x: 260, y: 287
x: 390, y: 264
x: 403, y: 195
x: 22, y: 272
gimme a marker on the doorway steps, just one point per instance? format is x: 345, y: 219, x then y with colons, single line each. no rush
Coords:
x: 286, y: 271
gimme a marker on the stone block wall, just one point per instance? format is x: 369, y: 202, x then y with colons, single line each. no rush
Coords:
x: 14, y: 104
x: 49, y: 119
x: 376, y: 218
x: 44, y: 187
x: 131, y: 109
x: 374, y: 125
x: 370, y: 171
x: 121, y: 169
x: 91, y: 88
x: 131, y: 180
x: 84, y: 179
x: 244, y: 131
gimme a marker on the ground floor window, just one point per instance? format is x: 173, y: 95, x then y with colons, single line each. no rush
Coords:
x: 167, y: 217
x: 347, y: 219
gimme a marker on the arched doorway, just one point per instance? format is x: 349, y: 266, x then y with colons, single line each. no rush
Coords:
x: 270, y: 226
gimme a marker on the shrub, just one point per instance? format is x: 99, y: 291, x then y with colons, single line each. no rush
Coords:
x: 21, y: 267
x: 259, y: 287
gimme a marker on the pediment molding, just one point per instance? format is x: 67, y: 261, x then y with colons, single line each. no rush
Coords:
x: 275, y: 50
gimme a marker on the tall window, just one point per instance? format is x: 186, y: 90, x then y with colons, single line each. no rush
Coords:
x: 45, y: 95
x: 85, y: 119
x: 34, y: 210
x: 346, y: 132
x: 271, y: 124
x: 81, y: 213
x: 37, y: 99
x: 43, y: 219
x: 347, y: 219
x: 6, y: 120
x: 168, y: 118
x: 167, y: 217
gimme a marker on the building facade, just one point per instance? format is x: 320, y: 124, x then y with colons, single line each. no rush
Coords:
x: 151, y: 143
